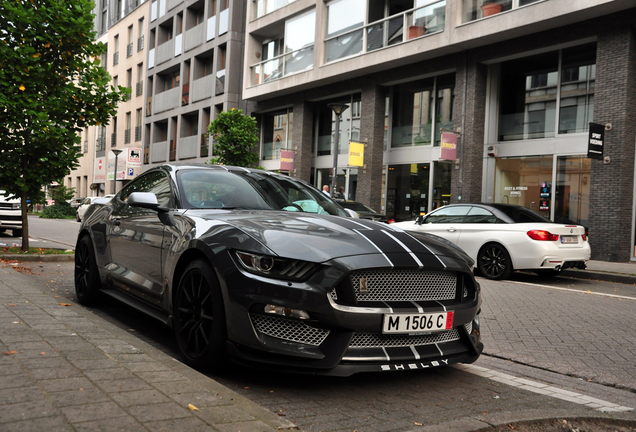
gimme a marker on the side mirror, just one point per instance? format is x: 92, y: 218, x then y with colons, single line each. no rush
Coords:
x: 146, y: 200
x: 352, y: 213
x: 419, y: 220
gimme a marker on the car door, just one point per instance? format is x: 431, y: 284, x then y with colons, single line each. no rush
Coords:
x: 446, y: 222
x: 137, y: 238
x: 479, y: 227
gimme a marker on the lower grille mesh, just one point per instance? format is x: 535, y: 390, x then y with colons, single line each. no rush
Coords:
x: 288, y: 329
x: 378, y: 340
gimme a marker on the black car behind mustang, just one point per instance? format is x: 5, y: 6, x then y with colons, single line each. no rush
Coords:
x: 265, y: 270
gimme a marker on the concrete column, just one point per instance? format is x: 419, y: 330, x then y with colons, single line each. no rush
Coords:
x: 470, y: 100
x: 612, y: 184
x: 369, y: 190
x: 302, y: 139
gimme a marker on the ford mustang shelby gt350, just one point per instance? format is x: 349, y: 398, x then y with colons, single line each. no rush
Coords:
x: 264, y: 269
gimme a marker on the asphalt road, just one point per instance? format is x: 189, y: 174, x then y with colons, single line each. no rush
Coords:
x: 46, y: 233
x: 551, y: 344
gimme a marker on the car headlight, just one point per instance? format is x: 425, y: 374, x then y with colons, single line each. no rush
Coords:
x: 275, y: 267
x: 16, y: 206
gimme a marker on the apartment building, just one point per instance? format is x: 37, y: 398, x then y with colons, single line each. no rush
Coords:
x: 122, y: 26
x: 515, y: 83
x: 195, y: 55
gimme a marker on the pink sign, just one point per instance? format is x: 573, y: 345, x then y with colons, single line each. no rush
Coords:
x: 449, y: 146
x: 286, y: 160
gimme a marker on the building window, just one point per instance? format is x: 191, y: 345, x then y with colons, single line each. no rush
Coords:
x: 546, y: 94
x: 342, y: 17
x: 277, y: 133
x: 417, y: 106
x: 349, y: 125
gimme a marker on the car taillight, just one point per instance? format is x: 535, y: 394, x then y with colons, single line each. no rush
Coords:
x: 390, y: 221
x: 542, y: 235
x: 584, y: 237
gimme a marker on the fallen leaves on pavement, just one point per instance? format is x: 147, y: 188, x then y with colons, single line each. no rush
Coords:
x: 9, y: 353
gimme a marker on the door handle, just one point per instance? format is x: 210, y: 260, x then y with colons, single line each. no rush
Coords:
x: 451, y: 229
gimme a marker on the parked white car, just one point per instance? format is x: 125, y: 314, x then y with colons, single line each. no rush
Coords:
x: 83, y: 207
x: 11, y: 214
x: 502, y: 238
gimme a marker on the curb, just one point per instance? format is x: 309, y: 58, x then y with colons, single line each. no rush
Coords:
x: 39, y: 258
x: 602, y: 276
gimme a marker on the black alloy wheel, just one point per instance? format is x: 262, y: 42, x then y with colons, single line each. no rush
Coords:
x: 87, y: 281
x: 199, y: 318
x: 494, y: 262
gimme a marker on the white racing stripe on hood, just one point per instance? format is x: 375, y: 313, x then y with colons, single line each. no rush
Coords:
x: 375, y: 246
x: 427, y: 248
x: 419, y: 263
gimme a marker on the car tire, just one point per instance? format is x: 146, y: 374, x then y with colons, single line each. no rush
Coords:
x: 199, y: 318
x: 87, y: 280
x: 17, y: 232
x: 494, y: 262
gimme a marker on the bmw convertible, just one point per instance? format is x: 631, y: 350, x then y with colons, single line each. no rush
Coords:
x: 265, y: 270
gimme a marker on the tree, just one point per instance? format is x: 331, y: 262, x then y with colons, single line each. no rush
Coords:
x: 235, y: 138
x: 51, y: 87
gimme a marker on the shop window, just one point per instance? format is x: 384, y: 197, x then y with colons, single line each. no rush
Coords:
x: 533, y: 87
x: 419, y: 105
x: 407, y: 191
x: 349, y: 125
x: 525, y: 181
x: 277, y: 133
x: 572, y: 198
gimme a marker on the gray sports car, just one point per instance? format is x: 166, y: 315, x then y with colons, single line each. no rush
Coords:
x: 265, y: 270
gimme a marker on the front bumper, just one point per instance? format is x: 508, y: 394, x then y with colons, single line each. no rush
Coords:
x: 344, y: 334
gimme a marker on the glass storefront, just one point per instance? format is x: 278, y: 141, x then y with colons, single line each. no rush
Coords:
x: 527, y: 181
x: 277, y: 133
x: 408, y: 192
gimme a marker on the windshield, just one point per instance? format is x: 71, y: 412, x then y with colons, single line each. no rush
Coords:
x: 358, y: 207
x: 212, y: 189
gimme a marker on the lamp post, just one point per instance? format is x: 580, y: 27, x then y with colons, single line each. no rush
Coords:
x: 338, y: 109
x: 116, y: 151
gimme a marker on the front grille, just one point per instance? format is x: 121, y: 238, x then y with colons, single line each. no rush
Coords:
x: 402, y: 285
x: 288, y: 329
x: 378, y: 340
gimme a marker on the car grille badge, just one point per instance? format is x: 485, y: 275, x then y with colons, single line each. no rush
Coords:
x: 362, y: 286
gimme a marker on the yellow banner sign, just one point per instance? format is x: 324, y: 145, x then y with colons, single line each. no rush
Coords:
x: 356, y: 154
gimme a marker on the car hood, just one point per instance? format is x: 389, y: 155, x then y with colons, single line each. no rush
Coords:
x: 319, y: 238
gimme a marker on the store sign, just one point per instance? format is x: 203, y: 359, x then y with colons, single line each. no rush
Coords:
x: 286, y: 160
x: 356, y: 154
x: 544, y: 205
x: 449, y: 146
x: 595, y: 141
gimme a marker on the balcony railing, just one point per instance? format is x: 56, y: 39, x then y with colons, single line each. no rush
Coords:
x: 264, y: 7
x: 113, y: 139
x: 140, y: 43
x: 483, y: 9
x: 100, y: 144
x: 137, y: 133
x: 139, y: 88
x: 399, y: 28
x: 115, y: 58
x: 127, y: 136
x: 129, y: 50
x: 283, y: 65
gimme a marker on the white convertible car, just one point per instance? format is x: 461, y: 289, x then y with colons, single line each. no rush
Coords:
x: 502, y: 238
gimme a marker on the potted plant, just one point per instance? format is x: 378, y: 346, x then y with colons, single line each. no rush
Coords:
x: 490, y: 7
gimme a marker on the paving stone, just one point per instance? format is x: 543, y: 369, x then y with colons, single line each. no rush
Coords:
x: 190, y: 424
x: 77, y: 397
x: 116, y: 424
x: 43, y: 424
x: 92, y: 412
x: 139, y: 397
x: 26, y: 410
x: 156, y: 412
x: 123, y: 385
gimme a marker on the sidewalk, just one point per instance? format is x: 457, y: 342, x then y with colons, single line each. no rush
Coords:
x: 63, y: 369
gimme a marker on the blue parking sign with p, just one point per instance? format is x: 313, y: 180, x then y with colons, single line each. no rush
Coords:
x: 131, y: 171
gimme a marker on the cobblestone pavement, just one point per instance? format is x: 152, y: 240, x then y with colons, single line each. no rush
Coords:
x: 574, y: 333
x: 493, y: 391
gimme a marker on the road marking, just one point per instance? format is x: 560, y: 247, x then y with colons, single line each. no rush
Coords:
x: 573, y: 290
x: 543, y: 389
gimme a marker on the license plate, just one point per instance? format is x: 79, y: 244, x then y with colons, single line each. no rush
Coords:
x: 417, y: 323
x: 569, y: 239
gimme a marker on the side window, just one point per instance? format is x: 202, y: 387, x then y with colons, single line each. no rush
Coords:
x: 448, y: 215
x: 480, y: 215
x: 155, y: 182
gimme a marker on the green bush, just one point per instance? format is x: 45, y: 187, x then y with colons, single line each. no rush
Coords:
x: 58, y: 211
